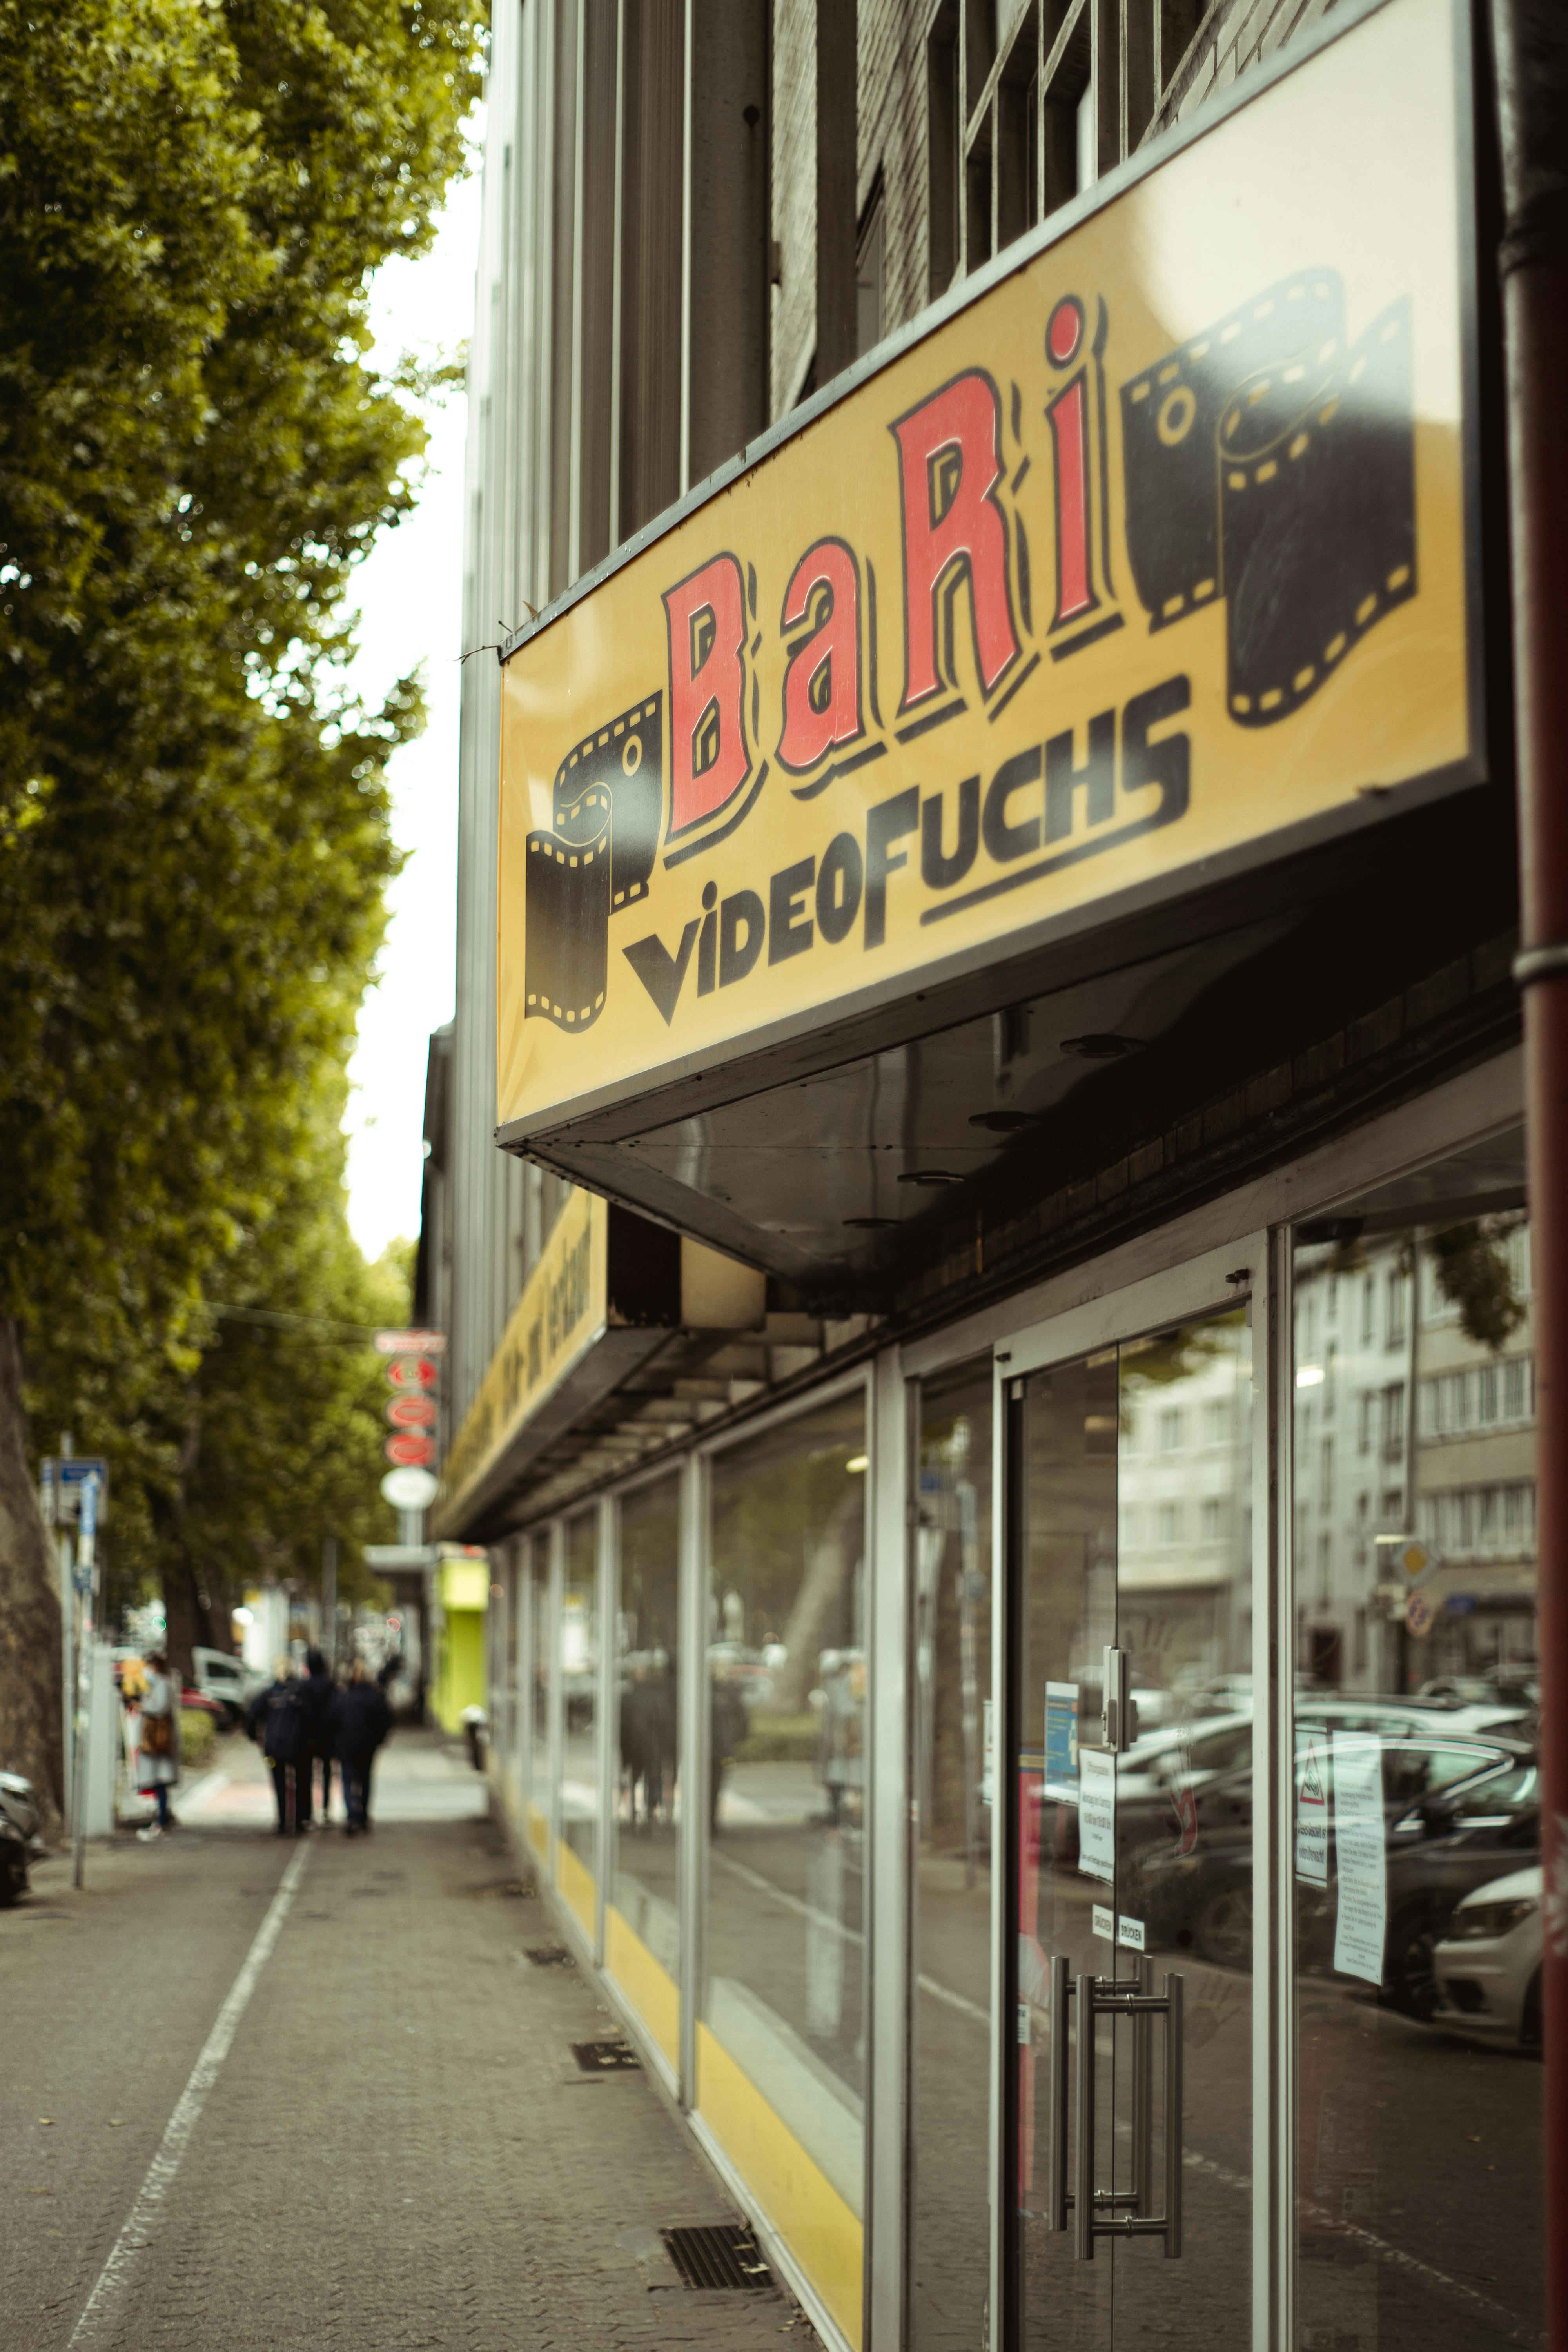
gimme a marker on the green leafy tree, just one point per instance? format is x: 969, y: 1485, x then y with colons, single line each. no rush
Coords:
x: 193, y: 836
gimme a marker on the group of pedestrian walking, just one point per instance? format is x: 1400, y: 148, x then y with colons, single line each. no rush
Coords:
x: 303, y: 1720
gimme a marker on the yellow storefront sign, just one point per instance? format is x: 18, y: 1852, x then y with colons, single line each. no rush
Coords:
x: 1144, y: 566
x: 561, y: 1312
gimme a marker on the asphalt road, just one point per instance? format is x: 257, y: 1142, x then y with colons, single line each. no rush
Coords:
x: 396, y: 2149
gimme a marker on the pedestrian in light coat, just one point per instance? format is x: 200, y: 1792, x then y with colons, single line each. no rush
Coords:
x: 361, y: 1721
x: 158, y: 1741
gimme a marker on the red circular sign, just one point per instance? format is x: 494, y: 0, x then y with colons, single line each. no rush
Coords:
x: 409, y: 1452
x: 411, y: 1411
x: 411, y: 1372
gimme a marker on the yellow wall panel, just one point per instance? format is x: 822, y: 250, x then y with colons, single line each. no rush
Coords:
x: 651, y: 1991
x: 801, y: 2205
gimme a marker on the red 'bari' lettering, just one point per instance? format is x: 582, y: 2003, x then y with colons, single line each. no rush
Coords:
x: 709, y: 759
x: 1067, y: 415
x: 951, y: 462
x: 822, y: 684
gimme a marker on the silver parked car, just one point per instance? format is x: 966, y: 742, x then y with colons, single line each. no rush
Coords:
x: 1488, y: 1966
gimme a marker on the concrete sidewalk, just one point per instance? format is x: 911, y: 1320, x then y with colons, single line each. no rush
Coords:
x: 419, y: 1776
x: 398, y: 2148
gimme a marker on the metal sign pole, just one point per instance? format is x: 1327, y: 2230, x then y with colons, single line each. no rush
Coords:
x: 68, y: 1667
x: 84, y: 1580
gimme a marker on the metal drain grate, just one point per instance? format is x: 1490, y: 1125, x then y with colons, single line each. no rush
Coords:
x: 722, y: 2258
x: 549, y: 1955
x: 614, y: 2057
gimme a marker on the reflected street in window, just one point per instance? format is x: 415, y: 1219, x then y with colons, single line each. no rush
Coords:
x: 1416, y: 1862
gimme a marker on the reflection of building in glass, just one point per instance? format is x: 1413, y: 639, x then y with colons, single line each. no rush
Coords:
x: 1185, y: 1511
x: 1358, y: 1349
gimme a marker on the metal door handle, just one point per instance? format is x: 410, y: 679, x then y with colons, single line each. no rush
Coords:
x: 1094, y: 2213
x: 1058, y: 2198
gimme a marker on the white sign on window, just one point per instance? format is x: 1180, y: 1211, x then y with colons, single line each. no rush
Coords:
x: 1097, y: 1813
x: 1361, y: 1916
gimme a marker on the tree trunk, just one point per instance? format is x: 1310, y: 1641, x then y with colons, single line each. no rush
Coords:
x: 187, y: 1620
x: 31, y: 1729
x: 820, y: 1616
x: 188, y: 1623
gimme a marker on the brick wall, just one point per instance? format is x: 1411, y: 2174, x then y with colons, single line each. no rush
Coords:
x: 893, y: 143
x: 794, y: 196
x: 1232, y: 36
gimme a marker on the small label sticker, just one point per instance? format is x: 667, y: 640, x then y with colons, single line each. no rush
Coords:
x: 1130, y: 1933
x: 1313, y: 1820
x: 1102, y: 1922
x: 1024, y: 2023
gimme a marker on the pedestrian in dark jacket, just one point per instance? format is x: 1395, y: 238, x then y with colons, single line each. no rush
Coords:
x: 317, y: 1694
x: 275, y: 1721
x: 361, y: 1721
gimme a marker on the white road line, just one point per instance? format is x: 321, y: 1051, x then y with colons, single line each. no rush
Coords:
x: 161, y: 2172
x: 824, y: 1919
x: 1381, y: 2250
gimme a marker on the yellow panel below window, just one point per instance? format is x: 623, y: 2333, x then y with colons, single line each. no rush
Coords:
x: 539, y: 1838
x: 800, y: 2203
x: 651, y: 1991
x: 580, y: 1887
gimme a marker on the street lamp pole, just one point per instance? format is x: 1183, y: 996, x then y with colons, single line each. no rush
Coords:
x: 1529, y: 45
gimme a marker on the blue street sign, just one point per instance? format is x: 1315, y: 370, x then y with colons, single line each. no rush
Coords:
x: 1461, y: 1604
x: 69, y: 1475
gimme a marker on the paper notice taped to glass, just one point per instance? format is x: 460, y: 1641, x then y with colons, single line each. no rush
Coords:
x: 1097, y: 1813
x: 1311, y: 1815
x: 1361, y: 1919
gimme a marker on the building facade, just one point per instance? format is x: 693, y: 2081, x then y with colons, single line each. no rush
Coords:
x: 993, y: 1358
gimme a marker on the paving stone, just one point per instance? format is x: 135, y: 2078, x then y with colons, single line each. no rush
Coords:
x: 399, y: 2151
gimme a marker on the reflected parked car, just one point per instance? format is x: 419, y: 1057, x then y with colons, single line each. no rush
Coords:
x: 1402, y: 1718
x: 1458, y: 1813
x: 1487, y: 1964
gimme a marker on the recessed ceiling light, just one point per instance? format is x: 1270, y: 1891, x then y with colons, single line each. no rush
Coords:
x: 930, y: 1176
x: 870, y: 1224
x: 1100, y: 1046
x: 1004, y: 1122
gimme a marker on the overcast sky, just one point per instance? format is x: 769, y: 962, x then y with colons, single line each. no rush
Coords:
x: 409, y: 593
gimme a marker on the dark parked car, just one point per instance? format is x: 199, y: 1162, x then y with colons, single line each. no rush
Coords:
x: 1457, y: 1814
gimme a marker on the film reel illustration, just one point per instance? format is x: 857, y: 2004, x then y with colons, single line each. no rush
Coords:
x: 597, y: 858
x: 1266, y: 464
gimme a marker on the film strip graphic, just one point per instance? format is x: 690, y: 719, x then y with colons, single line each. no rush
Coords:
x: 1269, y: 463
x: 597, y: 858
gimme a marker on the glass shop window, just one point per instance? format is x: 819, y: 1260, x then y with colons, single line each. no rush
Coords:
x: 1417, y: 1849
x: 781, y: 2061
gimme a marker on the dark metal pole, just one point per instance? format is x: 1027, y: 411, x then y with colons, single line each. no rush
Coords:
x: 1531, y: 63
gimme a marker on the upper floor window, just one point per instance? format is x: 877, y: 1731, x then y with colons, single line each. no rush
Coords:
x: 870, y: 275
x: 1026, y: 110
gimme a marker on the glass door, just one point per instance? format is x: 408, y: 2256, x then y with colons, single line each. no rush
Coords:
x: 1130, y: 1481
